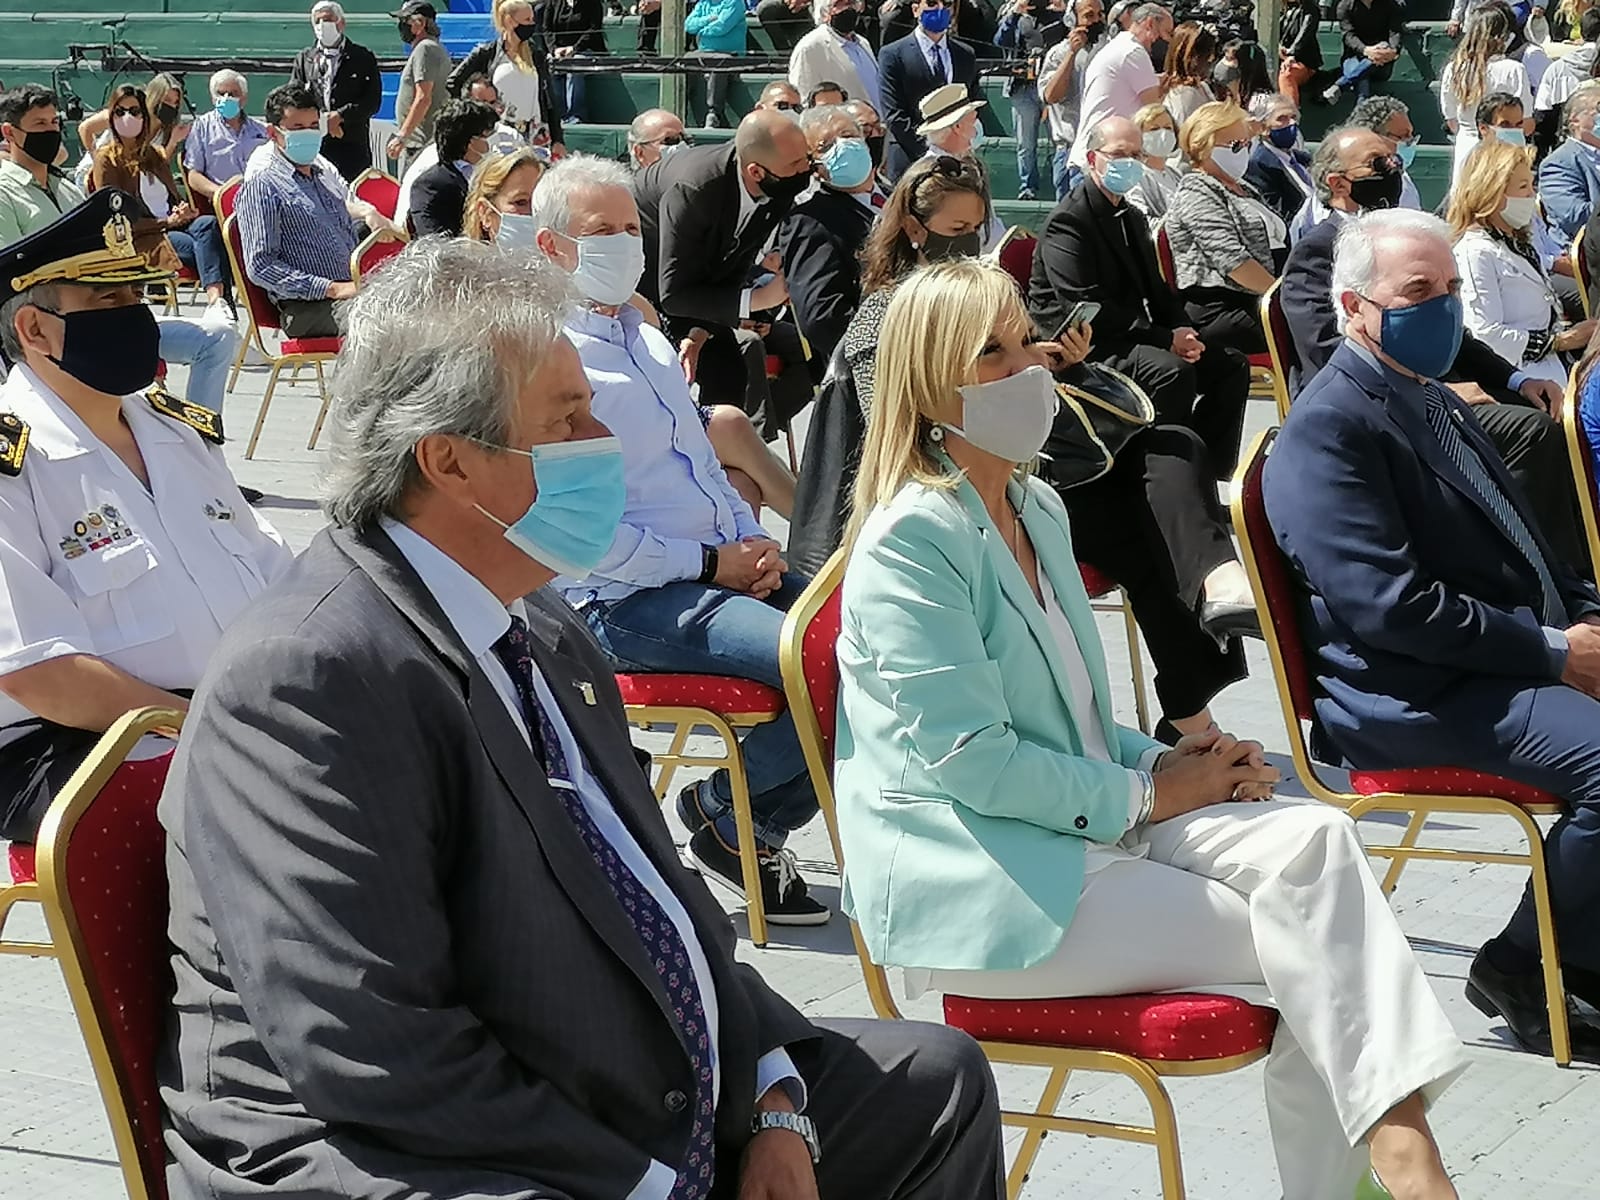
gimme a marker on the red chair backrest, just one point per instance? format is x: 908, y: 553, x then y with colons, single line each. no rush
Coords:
x: 1016, y: 256
x: 227, y: 196
x: 1281, y: 592
x: 381, y: 191
x: 1169, y: 269
x: 115, y: 885
x: 378, y: 253
x: 261, y: 306
x: 819, y: 661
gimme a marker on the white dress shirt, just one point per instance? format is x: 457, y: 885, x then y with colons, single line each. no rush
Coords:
x: 480, y: 621
x: 935, y: 53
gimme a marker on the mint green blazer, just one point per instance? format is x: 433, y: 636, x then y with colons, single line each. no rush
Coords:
x: 963, y: 796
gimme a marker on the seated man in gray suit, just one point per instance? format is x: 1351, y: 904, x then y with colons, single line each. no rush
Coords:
x: 432, y: 938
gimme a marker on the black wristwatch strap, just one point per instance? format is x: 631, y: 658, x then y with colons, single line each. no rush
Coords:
x: 708, y: 564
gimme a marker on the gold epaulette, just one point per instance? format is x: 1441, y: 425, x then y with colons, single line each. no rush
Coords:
x: 13, y: 443
x: 204, y: 421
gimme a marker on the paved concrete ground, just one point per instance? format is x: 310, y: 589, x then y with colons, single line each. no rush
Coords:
x: 1514, y: 1126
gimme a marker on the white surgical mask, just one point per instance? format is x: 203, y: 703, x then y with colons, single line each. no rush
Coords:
x: 609, y: 266
x: 1010, y: 417
x: 1160, y: 142
x: 1231, y: 162
x: 517, y: 232
x: 328, y: 34
x: 1518, y: 211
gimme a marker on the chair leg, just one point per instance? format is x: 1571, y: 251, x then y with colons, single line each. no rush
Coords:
x: 1391, y: 877
x: 1141, y: 705
x: 1549, y: 951
x: 10, y: 897
x: 1164, y: 1124
x: 1034, y: 1137
x: 322, y: 413
x: 669, y: 760
x: 261, y: 414
x: 238, y: 359
x: 744, y: 825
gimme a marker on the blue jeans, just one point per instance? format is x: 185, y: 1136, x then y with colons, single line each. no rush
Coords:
x: 1063, y: 176
x: 200, y: 249
x: 1026, y: 112
x: 703, y: 630
x: 574, y: 91
x: 207, y: 350
x: 1355, y: 72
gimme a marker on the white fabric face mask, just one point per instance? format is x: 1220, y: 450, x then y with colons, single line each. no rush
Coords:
x: 1011, y: 417
x: 609, y: 266
x: 1231, y: 162
x: 1518, y: 211
x: 328, y: 34
x: 1160, y: 142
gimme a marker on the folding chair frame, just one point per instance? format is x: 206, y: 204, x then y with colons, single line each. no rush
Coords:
x: 1580, y: 456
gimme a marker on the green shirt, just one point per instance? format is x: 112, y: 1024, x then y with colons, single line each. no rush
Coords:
x: 25, y: 207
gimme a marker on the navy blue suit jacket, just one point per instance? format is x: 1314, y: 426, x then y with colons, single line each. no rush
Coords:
x: 1268, y: 175
x: 1422, y: 613
x: 906, y: 78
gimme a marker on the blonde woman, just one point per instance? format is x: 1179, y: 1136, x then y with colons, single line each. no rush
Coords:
x: 517, y: 67
x: 1005, y: 838
x: 1510, y: 304
x: 499, y: 199
x: 1154, y: 191
x: 1227, y: 243
x: 1479, y: 68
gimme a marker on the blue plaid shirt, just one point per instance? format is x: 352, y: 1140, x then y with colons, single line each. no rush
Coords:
x: 296, y: 234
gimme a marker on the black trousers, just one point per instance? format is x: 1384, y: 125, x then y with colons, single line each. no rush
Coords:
x: 1226, y: 317
x: 1155, y: 525
x: 733, y: 370
x: 307, y: 318
x: 783, y: 25
x: 1570, y: 295
x: 350, y: 153
x: 1207, y: 396
x: 1535, y: 452
x: 904, y: 1111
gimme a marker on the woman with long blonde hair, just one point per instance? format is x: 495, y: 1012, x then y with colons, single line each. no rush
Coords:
x: 1509, y: 302
x: 519, y: 71
x: 1004, y: 838
x: 1479, y: 68
x: 502, y: 185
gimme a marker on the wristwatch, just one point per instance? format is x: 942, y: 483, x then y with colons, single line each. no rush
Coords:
x: 794, y: 1123
x: 708, y: 564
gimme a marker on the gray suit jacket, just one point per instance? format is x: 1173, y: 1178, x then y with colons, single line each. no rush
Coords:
x: 399, y: 971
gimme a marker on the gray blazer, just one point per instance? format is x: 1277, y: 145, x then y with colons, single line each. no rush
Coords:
x: 399, y: 971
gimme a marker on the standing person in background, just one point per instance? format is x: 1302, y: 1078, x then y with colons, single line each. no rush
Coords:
x: 1061, y: 80
x: 1299, y: 55
x: 517, y: 67
x: 1022, y: 36
x: 1479, y: 68
x: 1121, y: 79
x: 344, y: 76
x: 785, y: 22
x: 836, y: 50
x: 222, y: 139
x: 1186, y: 75
x: 423, y: 83
x: 718, y: 28
x: 911, y: 67
x: 572, y: 28
x: 1371, y: 31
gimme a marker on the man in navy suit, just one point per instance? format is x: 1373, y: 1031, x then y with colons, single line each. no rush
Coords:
x: 1447, y: 634
x: 1569, y: 180
x: 910, y: 68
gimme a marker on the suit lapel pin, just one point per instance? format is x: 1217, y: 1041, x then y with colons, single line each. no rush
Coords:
x: 587, y: 689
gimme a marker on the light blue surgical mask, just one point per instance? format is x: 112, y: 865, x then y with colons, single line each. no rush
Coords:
x: 228, y: 107
x: 1407, y: 150
x: 977, y: 137
x: 1512, y: 137
x: 301, y: 146
x: 1122, y: 175
x: 849, y: 162
x: 517, y: 232
x: 580, y: 497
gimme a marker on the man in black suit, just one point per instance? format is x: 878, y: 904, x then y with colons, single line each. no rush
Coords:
x: 821, y: 239
x: 707, y: 213
x: 913, y: 66
x: 1097, y: 247
x: 344, y: 76
x: 431, y: 935
x: 439, y: 195
x: 1354, y: 170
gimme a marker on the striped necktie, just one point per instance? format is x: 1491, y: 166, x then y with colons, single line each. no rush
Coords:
x: 1442, y: 419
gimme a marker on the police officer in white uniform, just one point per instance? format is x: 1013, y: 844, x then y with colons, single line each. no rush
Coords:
x: 125, y: 545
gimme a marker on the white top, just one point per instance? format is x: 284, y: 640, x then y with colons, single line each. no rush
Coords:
x: 480, y: 621
x: 1505, y: 298
x: 1116, y: 77
x: 1503, y: 75
x: 93, y: 563
x: 1182, y: 100
x: 154, y: 195
x: 824, y: 54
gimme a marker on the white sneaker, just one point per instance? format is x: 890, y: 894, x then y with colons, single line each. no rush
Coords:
x: 219, y: 313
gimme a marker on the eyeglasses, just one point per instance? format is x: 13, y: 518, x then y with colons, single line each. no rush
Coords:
x: 785, y: 106
x: 674, y: 139
x: 1238, y: 145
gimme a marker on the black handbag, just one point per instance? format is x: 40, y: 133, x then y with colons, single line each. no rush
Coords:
x: 1100, y: 409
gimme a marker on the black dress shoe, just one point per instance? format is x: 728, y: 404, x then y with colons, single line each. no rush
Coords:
x: 1518, y: 1000
x: 1226, y: 621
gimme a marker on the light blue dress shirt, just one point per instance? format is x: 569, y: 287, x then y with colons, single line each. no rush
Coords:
x: 679, y: 498
x: 216, y: 151
x: 480, y: 621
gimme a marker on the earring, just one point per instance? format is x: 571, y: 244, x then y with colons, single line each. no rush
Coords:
x: 916, y: 245
x: 936, y: 434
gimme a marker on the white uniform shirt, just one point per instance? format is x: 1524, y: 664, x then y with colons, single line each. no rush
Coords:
x: 93, y: 563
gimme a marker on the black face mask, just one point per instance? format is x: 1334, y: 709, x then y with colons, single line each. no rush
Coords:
x: 42, y: 145
x: 406, y: 35
x: 116, y: 351
x: 1095, y: 31
x: 939, y: 247
x: 1158, y: 53
x: 166, y: 113
x: 1379, y: 190
x: 785, y: 188
x: 525, y: 31
x: 845, y: 21
x: 875, y: 147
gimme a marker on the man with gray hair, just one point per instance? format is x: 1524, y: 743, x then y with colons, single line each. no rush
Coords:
x: 1446, y: 631
x: 431, y: 933
x: 654, y: 134
x: 344, y: 76
x: 836, y: 51
x: 1569, y: 178
x: 691, y: 582
x: 221, y: 141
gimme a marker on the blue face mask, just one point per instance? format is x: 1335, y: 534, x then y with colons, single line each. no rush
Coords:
x: 935, y: 20
x: 1424, y: 337
x: 848, y: 162
x: 1122, y: 175
x: 574, y: 516
x: 1512, y: 137
x: 517, y: 232
x: 228, y: 107
x: 1284, y: 138
x: 977, y: 136
x: 1407, y: 150
x: 302, y: 146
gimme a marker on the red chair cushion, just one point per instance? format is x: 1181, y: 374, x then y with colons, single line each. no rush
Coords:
x: 116, y: 880
x: 819, y: 659
x: 319, y: 345
x: 1449, y: 781
x: 19, y: 859
x: 716, y: 693
x: 188, y: 275
x: 1177, y: 1027
x: 1262, y: 361
x: 1095, y: 581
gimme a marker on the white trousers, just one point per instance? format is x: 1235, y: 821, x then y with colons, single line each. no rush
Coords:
x: 1278, y: 894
